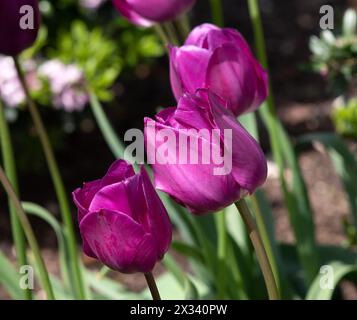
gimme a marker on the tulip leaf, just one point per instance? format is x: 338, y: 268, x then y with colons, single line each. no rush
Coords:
x: 328, y: 279
x: 295, y: 195
x: 327, y: 253
x: 43, y: 214
x: 188, y: 250
x: 171, y: 290
x: 249, y: 122
x: 191, y: 292
x: 108, y: 289
x: 10, y: 278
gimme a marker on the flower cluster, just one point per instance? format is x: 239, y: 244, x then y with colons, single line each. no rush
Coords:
x: 11, y: 91
x: 214, y: 77
x: 67, y: 85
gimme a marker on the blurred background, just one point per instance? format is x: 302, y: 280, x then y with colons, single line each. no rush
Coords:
x: 86, y: 39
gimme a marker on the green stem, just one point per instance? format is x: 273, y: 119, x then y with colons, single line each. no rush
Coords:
x: 42, y: 271
x: 58, y: 183
x: 217, y: 13
x: 309, y: 259
x: 152, y: 286
x: 265, y: 239
x: 161, y: 33
x: 221, y: 253
x: 171, y: 32
x: 183, y: 24
x: 259, y: 249
x: 10, y: 170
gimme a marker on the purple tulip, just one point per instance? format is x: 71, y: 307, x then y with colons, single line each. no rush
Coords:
x: 195, y: 184
x: 122, y: 220
x: 147, y: 12
x: 19, y: 24
x: 220, y: 60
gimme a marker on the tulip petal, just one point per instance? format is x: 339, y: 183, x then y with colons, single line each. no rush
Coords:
x: 112, y: 197
x: 159, y: 221
x: 191, y: 64
x: 119, y: 242
x: 180, y: 181
x: 127, y: 11
x: 13, y: 38
x: 176, y: 83
x: 230, y: 75
x: 249, y: 164
x: 118, y: 171
x: 198, y: 36
x: 83, y: 197
x: 160, y: 10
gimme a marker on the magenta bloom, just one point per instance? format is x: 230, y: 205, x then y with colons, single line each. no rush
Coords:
x: 196, y: 184
x: 19, y: 24
x: 220, y: 60
x: 147, y: 12
x: 122, y: 220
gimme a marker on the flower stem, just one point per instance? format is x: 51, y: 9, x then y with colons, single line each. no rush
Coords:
x: 42, y: 271
x: 217, y: 13
x: 259, y: 249
x: 10, y: 170
x: 162, y: 34
x: 221, y: 253
x: 152, y: 286
x: 57, y: 181
x: 183, y: 24
x: 266, y: 241
x: 171, y: 32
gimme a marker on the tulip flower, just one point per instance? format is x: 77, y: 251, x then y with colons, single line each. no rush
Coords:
x: 198, y: 185
x: 19, y: 24
x: 148, y: 12
x: 122, y: 220
x: 221, y: 60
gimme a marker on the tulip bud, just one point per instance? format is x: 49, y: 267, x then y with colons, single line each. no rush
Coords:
x: 148, y: 12
x: 200, y: 125
x: 219, y: 60
x: 122, y: 220
x: 19, y: 24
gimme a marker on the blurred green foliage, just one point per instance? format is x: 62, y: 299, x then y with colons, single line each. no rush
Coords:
x: 335, y: 56
x: 345, y: 119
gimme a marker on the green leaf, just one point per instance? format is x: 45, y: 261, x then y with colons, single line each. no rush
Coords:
x: 10, y: 278
x: 45, y: 215
x: 108, y: 289
x: 248, y: 121
x: 321, y: 289
x: 183, y: 279
x: 171, y: 290
x: 299, y: 207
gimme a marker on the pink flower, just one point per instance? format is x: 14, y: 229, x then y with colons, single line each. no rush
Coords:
x: 220, y: 60
x: 147, y: 12
x: 122, y: 220
x: 197, y: 185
